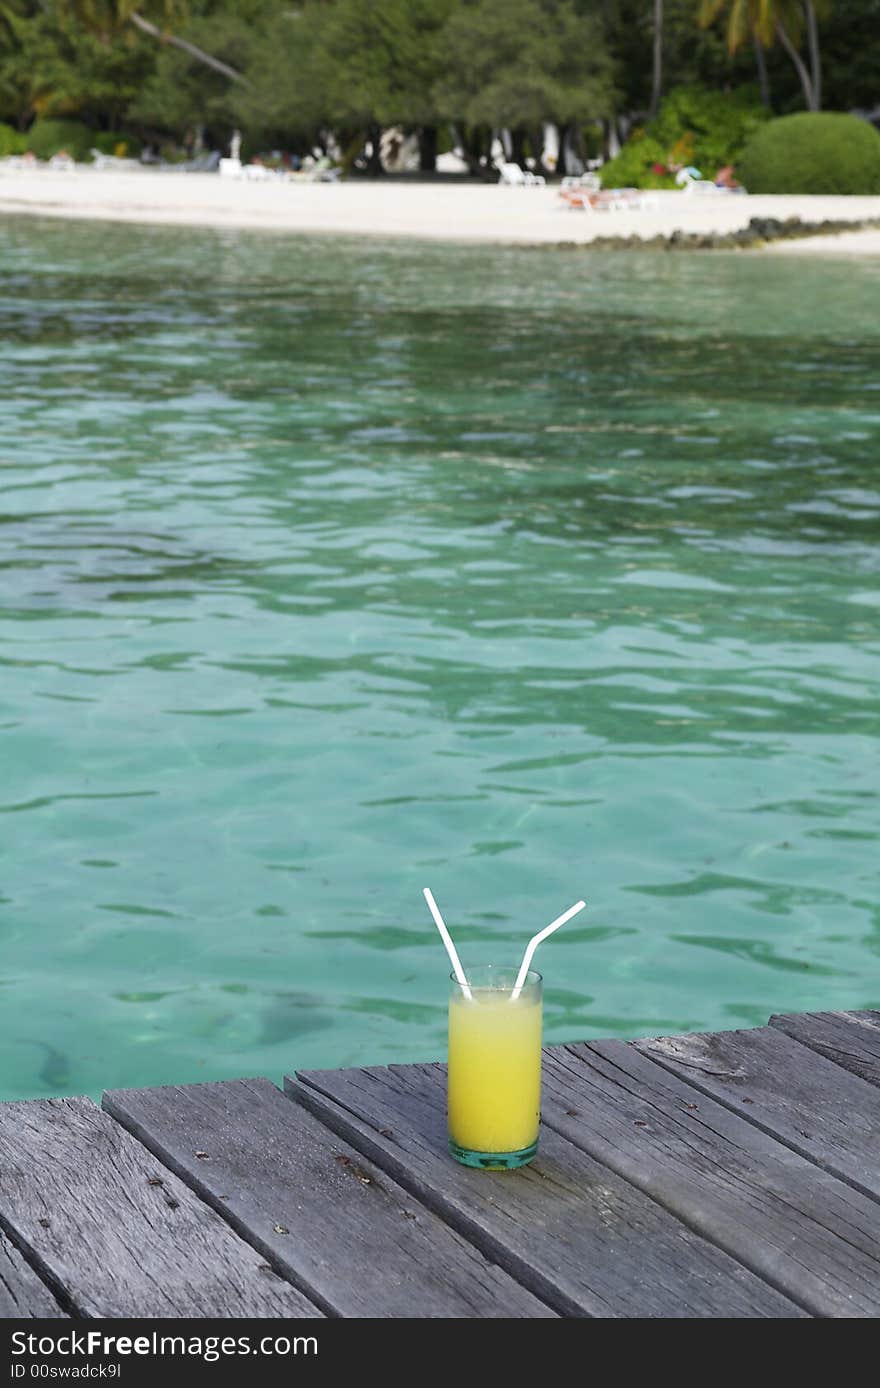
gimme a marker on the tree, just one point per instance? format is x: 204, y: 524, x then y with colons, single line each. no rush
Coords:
x: 657, y: 68
x: 290, y: 70
x: 355, y: 66
x: 51, y: 70
x: 184, y: 94
x: 851, y: 54
x: 761, y: 65
x: 765, y: 21
x: 519, y: 63
x: 111, y: 17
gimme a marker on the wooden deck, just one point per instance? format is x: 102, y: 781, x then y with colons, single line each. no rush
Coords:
x: 726, y: 1175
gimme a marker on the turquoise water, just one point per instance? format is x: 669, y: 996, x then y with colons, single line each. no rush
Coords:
x: 330, y: 570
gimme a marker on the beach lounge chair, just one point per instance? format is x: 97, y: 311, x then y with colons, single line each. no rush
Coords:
x: 702, y: 186
x: 690, y: 180
x: 113, y: 161
x: 581, y: 191
x: 607, y: 199
x: 589, y: 181
x: 514, y: 176
x: 202, y: 163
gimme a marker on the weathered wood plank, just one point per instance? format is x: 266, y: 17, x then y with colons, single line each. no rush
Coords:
x: 814, y: 1237
x: 584, y: 1239
x: 345, y: 1233
x: 122, y: 1236
x: 850, y: 1039
x: 794, y: 1094
x: 22, y: 1294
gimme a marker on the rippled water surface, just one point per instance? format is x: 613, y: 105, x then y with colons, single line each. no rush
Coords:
x: 330, y: 569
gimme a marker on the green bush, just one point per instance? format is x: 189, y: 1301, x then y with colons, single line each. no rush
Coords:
x: 633, y: 166
x: 711, y: 126
x: 121, y: 146
x: 813, y: 153
x: 11, y: 142
x: 695, y: 126
x: 48, y: 137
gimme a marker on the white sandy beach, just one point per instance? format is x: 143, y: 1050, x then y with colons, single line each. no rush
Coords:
x: 846, y: 243
x: 439, y: 211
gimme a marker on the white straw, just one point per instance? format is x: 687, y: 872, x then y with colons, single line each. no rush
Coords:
x: 445, y: 936
x: 536, y: 940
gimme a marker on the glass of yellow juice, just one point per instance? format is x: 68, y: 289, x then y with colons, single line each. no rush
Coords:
x: 494, y: 1086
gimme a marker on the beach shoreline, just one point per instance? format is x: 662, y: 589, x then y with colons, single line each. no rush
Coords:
x: 474, y: 214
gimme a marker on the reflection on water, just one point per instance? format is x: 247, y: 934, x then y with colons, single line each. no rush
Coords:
x: 328, y: 570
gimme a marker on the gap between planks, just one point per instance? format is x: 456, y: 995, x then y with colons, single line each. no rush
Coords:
x: 342, y: 1230
x: 572, y: 1225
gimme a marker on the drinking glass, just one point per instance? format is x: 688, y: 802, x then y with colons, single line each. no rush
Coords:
x: 494, y: 1084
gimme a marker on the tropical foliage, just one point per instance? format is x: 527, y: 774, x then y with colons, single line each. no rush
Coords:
x: 301, y: 74
x: 763, y: 22
x: 694, y: 127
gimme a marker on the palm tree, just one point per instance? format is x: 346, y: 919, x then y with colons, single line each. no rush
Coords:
x: 813, y: 48
x: 657, y: 76
x: 109, y: 17
x: 765, y: 21
x: 761, y: 65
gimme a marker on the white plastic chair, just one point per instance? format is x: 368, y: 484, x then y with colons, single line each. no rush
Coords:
x: 511, y: 174
x: 514, y: 176
x: 702, y: 186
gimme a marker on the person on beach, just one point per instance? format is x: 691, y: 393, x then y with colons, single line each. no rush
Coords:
x: 726, y: 178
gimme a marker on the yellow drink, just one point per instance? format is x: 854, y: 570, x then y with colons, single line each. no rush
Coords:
x: 494, y: 1091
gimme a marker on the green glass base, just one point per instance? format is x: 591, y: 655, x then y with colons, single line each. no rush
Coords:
x: 493, y: 1161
